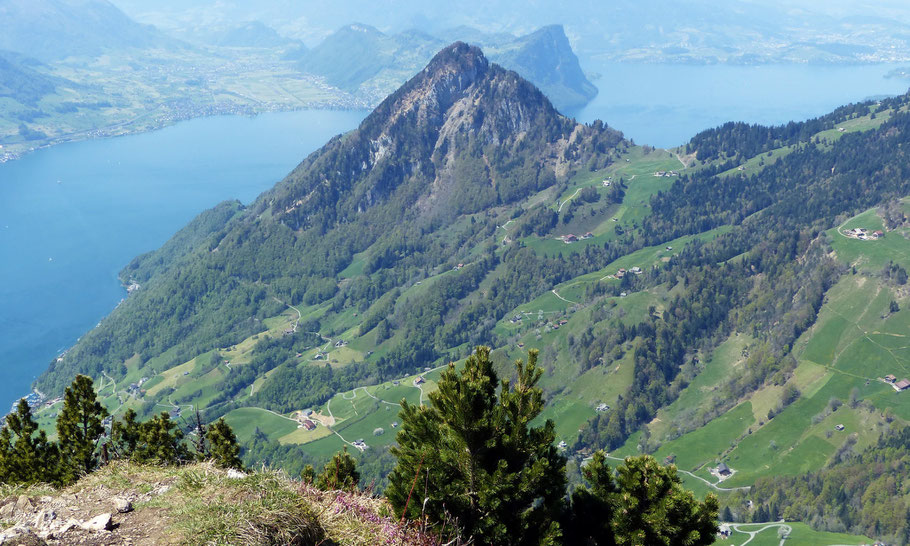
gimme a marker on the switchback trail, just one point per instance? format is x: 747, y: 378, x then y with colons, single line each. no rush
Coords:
x: 736, y: 527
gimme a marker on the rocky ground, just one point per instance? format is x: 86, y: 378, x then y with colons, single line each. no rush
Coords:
x: 125, y: 503
x: 94, y: 515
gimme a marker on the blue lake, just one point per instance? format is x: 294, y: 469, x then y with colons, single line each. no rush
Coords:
x: 73, y: 215
x: 666, y: 105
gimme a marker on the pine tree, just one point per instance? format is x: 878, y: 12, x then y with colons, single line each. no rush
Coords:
x: 472, y: 456
x: 200, y: 439
x: 654, y: 508
x: 308, y: 474
x: 159, y: 441
x: 591, y: 517
x: 223, y: 445
x: 26, y: 456
x: 79, y: 428
x: 339, y: 473
x: 125, y: 435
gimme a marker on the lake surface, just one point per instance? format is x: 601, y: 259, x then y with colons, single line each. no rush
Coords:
x: 73, y: 215
x: 666, y: 105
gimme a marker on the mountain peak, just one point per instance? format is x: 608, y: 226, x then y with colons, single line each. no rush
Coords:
x: 459, y: 57
x: 461, y: 91
x: 462, y: 135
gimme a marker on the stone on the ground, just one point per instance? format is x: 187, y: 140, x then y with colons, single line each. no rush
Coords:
x: 20, y: 535
x: 99, y: 523
x: 45, y: 517
x: 122, y: 505
x: 235, y: 474
x: 24, y: 504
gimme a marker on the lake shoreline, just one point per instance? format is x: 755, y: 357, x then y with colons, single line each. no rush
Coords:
x: 75, y: 215
x: 22, y: 150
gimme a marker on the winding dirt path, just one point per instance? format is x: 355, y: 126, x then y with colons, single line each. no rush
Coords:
x: 561, y: 205
x: 555, y: 293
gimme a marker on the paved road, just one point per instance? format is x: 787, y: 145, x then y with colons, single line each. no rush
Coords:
x: 737, y: 527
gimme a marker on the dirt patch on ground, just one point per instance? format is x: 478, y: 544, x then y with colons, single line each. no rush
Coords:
x: 92, y: 515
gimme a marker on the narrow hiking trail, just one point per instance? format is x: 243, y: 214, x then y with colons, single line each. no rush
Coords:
x: 561, y: 205
x: 555, y: 293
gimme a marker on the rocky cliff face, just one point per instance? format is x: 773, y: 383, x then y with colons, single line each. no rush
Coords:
x: 460, y: 113
x: 362, y: 60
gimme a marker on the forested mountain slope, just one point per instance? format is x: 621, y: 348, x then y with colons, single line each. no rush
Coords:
x: 408, y: 186
x: 709, y: 304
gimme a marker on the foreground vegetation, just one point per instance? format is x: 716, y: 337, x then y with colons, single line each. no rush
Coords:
x: 488, y: 476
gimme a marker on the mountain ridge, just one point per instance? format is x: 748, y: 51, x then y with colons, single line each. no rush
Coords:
x: 467, y: 131
x: 55, y: 29
x: 361, y: 59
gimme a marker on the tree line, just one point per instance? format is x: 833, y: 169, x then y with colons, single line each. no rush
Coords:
x: 27, y: 456
x: 473, y: 468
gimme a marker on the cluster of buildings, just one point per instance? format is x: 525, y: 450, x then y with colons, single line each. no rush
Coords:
x: 135, y: 389
x: 304, y: 418
x: 666, y: 174
x: 863, y: 234
x: 34, y: 399
x: 570, y: 238
x: 899, y: 386
x: 556, y: 324
x: 622, y: 272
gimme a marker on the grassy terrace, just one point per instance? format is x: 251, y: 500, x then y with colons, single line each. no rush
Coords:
x: 855, y: 342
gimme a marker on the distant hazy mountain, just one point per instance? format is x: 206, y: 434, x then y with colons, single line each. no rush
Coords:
x: 356, y: 54
x: 252, y: 34
x: 691, y: 31
x: 545, y: 58
x: 363, y: 60
x: 54, y: 29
